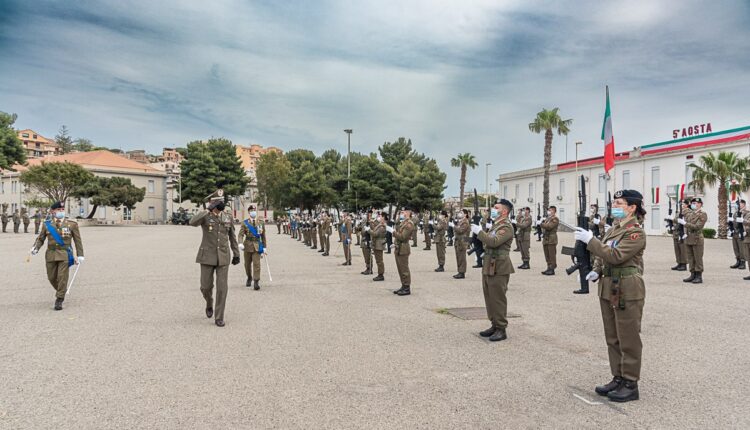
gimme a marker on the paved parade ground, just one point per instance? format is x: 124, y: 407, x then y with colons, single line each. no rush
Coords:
x: 325, y: 347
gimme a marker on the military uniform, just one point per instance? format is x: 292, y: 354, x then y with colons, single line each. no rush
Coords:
x: 214, y: 258
x: 426, y: 230
x: 549, y: 243
x: 524, y: 233
x: 694, y: 222
x: 252, y: 251
x: 377, y: 234
x: 16, y: 221
x: 314, y: 232
x: 37, y: 222
x: 346, y: 238
x: 737, y: 246
x: 746, y: 241
x: 4, y: 217
x: 26, y: 220
x: 56, y: 257
x: 440, y: 226
x: 402, y: 234
x: 461, y: 230
x: 680, y: 249
x: 366, y: 245
x: 496, y: 270
x: 327, y: 231
x: 414, y: 236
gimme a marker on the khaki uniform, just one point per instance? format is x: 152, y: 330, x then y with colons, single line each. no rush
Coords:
x: 695, y: 221
x: 619, y: 263
x: 366, y: 244
x: 314, y: 233
x: 4, y: 219
x: 523, y: 224
x: 321, y: 233
x: 680, y: 249
x: 213, y: 256
x: 327, y: 231
x: 461, y: 243
x: 346, y: 239
x: 377, y: 233
x: 549, y: 241
x: 496, y: 270
x: 252, y: 247
x: 414, y: 220
x: 402, y: 234
x: 26, y: 221
x: 426, y: 230
x: 746, y: 240
x: 737, y: 247
x: 16, y: 222
x: 37, y: 222
x: 56, y: 257
x: 441, y: 227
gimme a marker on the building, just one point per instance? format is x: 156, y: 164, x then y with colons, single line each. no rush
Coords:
x: 153, y: 209
x: 170, y: 155
x: 660, y: 171
x: 138, y: 155
x: 249, y: 155
x: 36, y: 145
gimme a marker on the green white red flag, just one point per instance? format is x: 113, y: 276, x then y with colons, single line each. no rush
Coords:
x: 608, y: 138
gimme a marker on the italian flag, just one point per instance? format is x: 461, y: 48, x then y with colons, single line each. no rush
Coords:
x: 655, y: 195
x: 609, y: 140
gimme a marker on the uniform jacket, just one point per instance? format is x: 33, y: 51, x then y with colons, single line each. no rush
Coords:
x: 16, y: 218
x: 746, y: 222
x: 462, y: 230
x: 25, y: 218
x: 550, y: 230
x: 497, y: 240
x: 621, y: 248
x: 676, y: 229
x: 523, y: 224
x: 377, y: 233
x: 346, y: 230
x: 218, y: 237
x: 694, y: 226
x: 441, y: 226
x: 248, y: 239
x: 403, y: 234
x: 69, y: 233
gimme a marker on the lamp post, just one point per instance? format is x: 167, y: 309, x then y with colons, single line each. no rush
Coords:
x: 487, y: 182
x: 576, y: 179
x: 348, y: 132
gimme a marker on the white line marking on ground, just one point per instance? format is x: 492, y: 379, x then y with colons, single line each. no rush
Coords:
x: 588, y: 402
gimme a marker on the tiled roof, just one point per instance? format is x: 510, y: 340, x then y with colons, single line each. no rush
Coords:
x: 102, y: 159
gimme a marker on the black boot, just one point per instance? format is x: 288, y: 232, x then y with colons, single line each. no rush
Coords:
x: 677, y: 267
x: 220, y: 323
x: 256, y: 285
x: 459, y: 275
x: 321, y: 250
x: 582, y: 290
x: 404, y: 291
x: 325, y: 254
x: 489, y: 332
x: 249, y: 282
x: 682, y: 267
x: 524, y: 266
x: 549, y: 272
x: 742, y: 265
x: 614, y: 384
x: 440, y: 268
x: 747, y: 278
x: 626, y: 392
x: 378, y: 278
x: 58, y: 304
x: 209, y: 311
x: 477, y: 266
x: 498, y: 335
x: 690, y: 279
x: 698, y: 278
x: 366, y: 272
x: 736, y: 265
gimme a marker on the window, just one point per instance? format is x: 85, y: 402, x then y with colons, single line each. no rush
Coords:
x: 655, y: 177
x: 151, y: 213
x: 531, y: 190
x: 13, y: 187
x: 655, y: 218
x: 562, y: 187
x: 518, y: 188
x: 561, y: 214
x: 505, y: 191
x: 602, y: 183
x: 689, y: 178
x: 127, y: 214
x: 626, y: 179
x: 24, y: 134
x: 150, y: 186
x: 35, y: 136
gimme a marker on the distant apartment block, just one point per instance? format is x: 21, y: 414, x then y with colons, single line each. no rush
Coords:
x: 36, y: 145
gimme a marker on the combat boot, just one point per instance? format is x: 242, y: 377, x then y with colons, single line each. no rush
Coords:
x: 698, y: 278
x: 325, y: 254
x: 378, y: 278
x: 498, y: 335
x: 58, y: 304
x: 440, y: 268
x: 582, y: 290
x: 690, y: 278
x: 404, y: 291
x: 747, y: 278
x: 427, y: 248
x: 524, y: 266
x: 256, y: 285
x: 742, y: 265
x: 626, y: 392
x: 489, y: 332
x: 249, y: 282
x: 459, y: 275
x: 209, y: 311
x: 477, y: 266
x: 736, y: 265
x: 366, y: 272
x: 549, y: 272
x: 682, y: 267
x: 220, y: 323
x: 677, y: 267
x: 614, y: 384
x: 321, y: 250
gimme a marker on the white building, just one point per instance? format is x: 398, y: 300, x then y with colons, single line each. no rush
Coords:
x: 657, y: 170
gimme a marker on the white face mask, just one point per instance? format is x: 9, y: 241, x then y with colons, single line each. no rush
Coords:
x: 549, y: 213
x: 253, y: 214
x: 461, y: 215
x: 59, y: 214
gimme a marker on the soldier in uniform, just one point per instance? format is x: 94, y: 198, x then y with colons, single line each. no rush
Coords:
x: 60, y: 233
x: 524, y: 235
x: 366, y: 244
x: 321, y: 233
x: 346, y: 238
x: 327, y: 232
x: 314, y: 231
x: 618, y: 265
x: 426, y: 230
x: 4, y: 217
x: 461, y: 230
x: 377, y: 235
x: 549, y: 241
x: 414, y: 236
x: 739, y: 252
x: 596, y: 222
x: 496, y: 268
x: 358, y: 226
x: 680, y: 249
x: 403, y: 234
x: 213, y: 254
x: 16, y: 221
x: 694, y: 222
x: 252, y: 240
x: 26, y: 219
x: 441, y: 226
x: 37, y: 221
x: 745, y: 220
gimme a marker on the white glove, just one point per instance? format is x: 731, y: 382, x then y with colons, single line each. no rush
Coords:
x: 451, y: 225
x: 80, y: 259
x: 513, y: 221
x: 538, y: 222
x: 607, y: 227
x: 475, y: 229
x: 242, y: 247
x: 488, y: 225
x: 730, y: 218
x: 389, y: 229
x: 597, y: 218
x: 682, y: 221
x: 34, y: 251
x: 739, y: 220
x: 684, y: 236
x: 432, y: 222
x: 583, y: 235
x: 592, y: 276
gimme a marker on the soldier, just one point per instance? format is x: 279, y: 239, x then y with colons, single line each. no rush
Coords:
x: 596, y: 222
x: 461, y: 230
x: 16, y: 221
x: 441, y: 226
x: 37, y: 221
x: 496, y: 268
x: 314, y: 231
x: 213, y: 254
x: 327, y: 232
x: 405, y: 231
x: 366, y: 244
x: 414, y: 220
x: 346, y: 238
x: 516, y: 230
x: 524, y: 235
x: 377, y: 235
x: 389, y: 235
x: 59, y: 233
x: 26, y: 219
x: 4, y: 217
x: 694, y: 223
x: 739, y: 252
x: 429, y: 224
x: 680, y: 249
x: 252, y: 240
x: 278, y: 224
x: 358, y: 226
x: 745, y: 220
x: 549, y: 241
x: 619, y: 263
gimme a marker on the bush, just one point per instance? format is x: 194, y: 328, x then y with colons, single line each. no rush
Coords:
x: 709, y: 233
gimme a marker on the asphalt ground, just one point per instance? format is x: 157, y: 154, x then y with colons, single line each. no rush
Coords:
x: 323, y: 346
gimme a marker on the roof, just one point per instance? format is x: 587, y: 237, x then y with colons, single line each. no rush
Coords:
x: 30, y: 131
x: 96, y: 159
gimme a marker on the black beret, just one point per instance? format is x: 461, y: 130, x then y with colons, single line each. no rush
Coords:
x: 686, y: 201
x: 443, y: 213
x: 742, y: 201
x: 629, y: 195
x: 251, y: 208
x: 697, y: 200
x: 57, y: 205
x: 506, y: 203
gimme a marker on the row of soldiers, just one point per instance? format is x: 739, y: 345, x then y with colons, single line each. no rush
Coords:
x: 19, y: 218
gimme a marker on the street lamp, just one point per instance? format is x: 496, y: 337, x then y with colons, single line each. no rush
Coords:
x: 487, y: 182
x: 348, y: 132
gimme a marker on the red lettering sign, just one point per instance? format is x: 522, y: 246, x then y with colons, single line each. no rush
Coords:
x: 693, y: 130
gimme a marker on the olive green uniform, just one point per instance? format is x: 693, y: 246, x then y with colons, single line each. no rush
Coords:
x: 346, y: 238
x: 37, y: 222
x: 426, y: 231
x: 213, y: 256
x: 16, y: 222
x: 414, y: 220
x: 327, y: 231
x: 252, y: 247
x: 441, y: 227
x: 694, y: 223
x: 549, y: 240
x: 377, y: 233
x: 26, y: 221
x: 366, y: 245
x: 619, y: 263
x: 401, y: 235
x: 737, y: 247
x: 496, y: 270
x: 680, y: 249
x: 746, y: 240
x: 56, y: 257
x: 314, y: 233
x: 523, y: 224
x: 4, y: 219
x: 461, y: 243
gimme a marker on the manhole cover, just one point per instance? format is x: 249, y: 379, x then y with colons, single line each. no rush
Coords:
x: 473, y: 313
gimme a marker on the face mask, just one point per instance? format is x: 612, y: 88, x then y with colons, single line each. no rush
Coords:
x: 253, y: 214
x: 59, y: 215
x: 380, y: 219
x: 494, y: 213
x: 549, y: 213
x: 693, y: 206
x: 401, y: 217
x: 461, y: 216
x: 618, y: 212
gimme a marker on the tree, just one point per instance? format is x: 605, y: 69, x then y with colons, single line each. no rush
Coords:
x: 63, y: 140
x: 209, y: 166
x: 729, y: 171
x: 84, y: 145
x: 115, y: 192
x: 393, y: 153
x: 37, y: 203
x: 547, y: 121
x: 463, y: 161
x: 57, y: 181
x: 421, y: 185
x: 272, y: 173
x: 231, y: 177
x: 11, y: 147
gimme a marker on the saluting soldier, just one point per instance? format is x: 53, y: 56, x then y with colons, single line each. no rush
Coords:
x: 402, y: 235
x: 461, y: 230
x: 524, y: 235
x: 60, y: 233
x: 26, y: 219
x: 252, y: 240
x: 377, y: 234
x: 496, y: 268
x: 37, y: 221
x: 16, y: 221
x: 678, y: 240
x: 441, y: 227
x: 213, y: 254
x: 346, y: 239
x: 549, y: 241
x: 4, y: 217
x: 694, y: 223
x: 737, y: 247
x: 618, y: 265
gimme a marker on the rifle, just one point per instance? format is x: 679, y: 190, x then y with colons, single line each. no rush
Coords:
x: 669, y: 220
x: 730, y: 224
x: 476, y: 244
x: 680, y: 227
x: 609, y: 220
x: 580, y: 254
x: 538, y: 219
x: 597, y: 231
x: 450, y: 229
x: 739, y: 227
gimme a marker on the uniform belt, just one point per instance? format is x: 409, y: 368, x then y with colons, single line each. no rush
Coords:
x: 620, y: 272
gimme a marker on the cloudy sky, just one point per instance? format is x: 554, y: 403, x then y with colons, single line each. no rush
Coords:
x: 454, y: 76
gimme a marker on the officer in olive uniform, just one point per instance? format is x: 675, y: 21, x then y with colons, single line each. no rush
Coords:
x: 549, y: 240
x: 440, y: 226
x: 327, y: 232
x: 426, y: 230
x: 746, y: 240
x: 366, y: 244
x: 694, y: 222
x: 618, y: 265
x: 213, y: 254
x: 37, y: 221
x: 321, y: 233
x: 314, y: 231
x: 596, y: 222
x: 680, y: 249
x: 461, y: 232
x: 737, y: 247
x: 414, y: 236
x: 523, y: 224
x: 254, y: 246
x: 59, y: 257
x: 26, y: 220
x: 4, y: 217
x: 346, y: 237
x: 377, y: 233
x: 16, y: 221
x: 402, y: 234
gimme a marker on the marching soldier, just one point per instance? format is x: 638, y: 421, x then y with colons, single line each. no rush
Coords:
x: 680, y: 249
x: 524, y: 234
x: 16, y: 221
x: 549, y: 241
x: 213, y: 254
x: 441, y: 226
x: 346, y: 238
x: 461, y: 230
x: 739, y: 252
x: 428, y: 224
x: 4, y: 217
x: 60, y: 233
x: 366, y: 244
x: 405, y: 231
x: 496, y: 268
x: 694, y: 223
x: 26, y: 219
x: 618, y: 265
x: 377, y: 234
x: 252, y: 240
x: 37, y: 221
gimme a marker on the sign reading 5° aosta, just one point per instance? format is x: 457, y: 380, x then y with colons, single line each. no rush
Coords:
x: 693, y: 130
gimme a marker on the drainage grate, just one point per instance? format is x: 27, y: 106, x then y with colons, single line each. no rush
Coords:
x: 473, y: 313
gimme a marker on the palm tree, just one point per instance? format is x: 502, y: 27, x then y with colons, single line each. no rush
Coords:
x: 547, y: 121
x: 463, y: 161
x: 729, y: 171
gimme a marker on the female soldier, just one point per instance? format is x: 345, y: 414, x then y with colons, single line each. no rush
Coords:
x: 619, y: 264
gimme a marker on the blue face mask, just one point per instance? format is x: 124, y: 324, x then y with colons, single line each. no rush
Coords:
x: 401, y: 217
x: 693, y: 206
x: 618, y: 213
x: 494, y: 213
x: 253, y: 214
x: 60, y: 215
